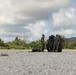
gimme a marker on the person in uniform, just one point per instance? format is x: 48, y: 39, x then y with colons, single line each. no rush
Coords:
x: 43, y: 42
x: 61, y: 40
x: 56, y: 43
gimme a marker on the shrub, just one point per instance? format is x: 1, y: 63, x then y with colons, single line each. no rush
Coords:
x: 4, y: 54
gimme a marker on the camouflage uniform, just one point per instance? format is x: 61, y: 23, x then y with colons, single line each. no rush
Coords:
x: 61, y: 41
x: 42, y: 42
x: 56, y: 43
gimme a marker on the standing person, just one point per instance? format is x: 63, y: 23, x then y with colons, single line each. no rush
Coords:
x: 56, y: 43
x: 42, y: 42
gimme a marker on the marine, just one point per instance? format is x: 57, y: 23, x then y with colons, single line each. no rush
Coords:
x: 58, y: 40
x: 56, y: 43
x: 43, y: 42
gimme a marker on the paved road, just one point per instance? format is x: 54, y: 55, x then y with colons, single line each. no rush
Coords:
x: 21, y: 62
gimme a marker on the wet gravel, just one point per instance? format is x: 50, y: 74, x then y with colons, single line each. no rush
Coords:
x: 22, y: 62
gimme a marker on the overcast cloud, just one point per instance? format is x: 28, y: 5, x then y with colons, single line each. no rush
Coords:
x: 33, y: 18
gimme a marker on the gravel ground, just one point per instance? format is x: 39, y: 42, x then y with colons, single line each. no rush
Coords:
x: 21, y: 62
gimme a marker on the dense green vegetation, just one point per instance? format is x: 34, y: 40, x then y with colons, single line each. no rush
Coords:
x: 69, y: 45
x: 21, y: 44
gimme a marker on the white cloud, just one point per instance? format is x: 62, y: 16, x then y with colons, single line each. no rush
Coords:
x: 64, y: 18
x: 15, y: 15
x: 68, y: 32
x: 36, y: 30
x: 65, y: 32
x: 14, y: 11
x: 64, y: 22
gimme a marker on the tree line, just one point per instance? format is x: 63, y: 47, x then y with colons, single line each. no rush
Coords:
x: 21, y: 44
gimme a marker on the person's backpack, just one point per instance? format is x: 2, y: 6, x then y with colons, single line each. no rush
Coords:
x: 36, y: 50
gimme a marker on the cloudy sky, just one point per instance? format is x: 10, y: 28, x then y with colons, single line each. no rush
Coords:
x: 32, y: 18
